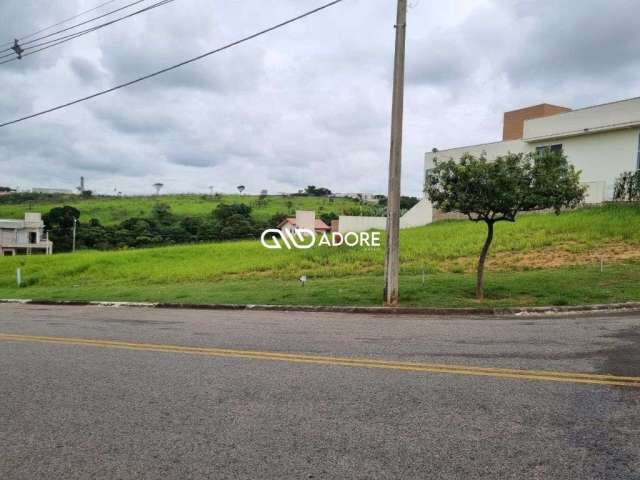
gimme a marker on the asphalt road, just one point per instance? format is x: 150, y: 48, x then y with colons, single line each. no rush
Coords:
x: 108, y: 393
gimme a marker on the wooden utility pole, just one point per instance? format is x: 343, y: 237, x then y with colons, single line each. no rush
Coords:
x: 392, y: 252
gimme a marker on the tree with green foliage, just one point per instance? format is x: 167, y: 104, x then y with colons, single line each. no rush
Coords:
x: 314, y: 191
x: 94, y: 235
x: 224, y: 210
x: 235, y: 222
x: 497, y: 190
x: 162, y: 213
x: 276, y: 219
x: 59, y: 222
x: 406, y: 203
x: 329, y: 217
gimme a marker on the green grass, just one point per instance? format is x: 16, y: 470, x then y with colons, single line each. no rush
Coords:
x: 245, y: 272
x: 111, y: 210
x: 566, y: 286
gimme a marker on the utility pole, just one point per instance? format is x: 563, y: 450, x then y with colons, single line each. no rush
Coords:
x: 392, y: 252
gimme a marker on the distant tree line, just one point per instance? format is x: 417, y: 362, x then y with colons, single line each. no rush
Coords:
x: 17, y: 198
x: 314, y: 191
x: 161, y: 227
x: 406, y: 203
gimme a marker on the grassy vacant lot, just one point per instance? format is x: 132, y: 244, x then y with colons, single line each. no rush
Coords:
x: 111, y: 210
x: 541, y: 259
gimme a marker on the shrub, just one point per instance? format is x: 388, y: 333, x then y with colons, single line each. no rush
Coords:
x: 627, y: 187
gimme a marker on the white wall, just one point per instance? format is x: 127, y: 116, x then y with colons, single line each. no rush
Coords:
x: 33, y: 218
x: 596, y: 192
x: 306, y: 219
x: 7, y: 236
x: 492, y: 150
x: 350, y: 223
x: 601, y: 156
x: 419, y: 215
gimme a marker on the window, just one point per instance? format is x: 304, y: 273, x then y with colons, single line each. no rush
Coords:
x: 33, y: 237
x: 557, y: 148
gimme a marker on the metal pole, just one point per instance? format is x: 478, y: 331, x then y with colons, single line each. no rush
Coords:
x: 392, y: 252
x: 75, y: 222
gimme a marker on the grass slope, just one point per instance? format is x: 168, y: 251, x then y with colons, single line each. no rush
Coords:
x: 111, y: 210
x: 541, y: 259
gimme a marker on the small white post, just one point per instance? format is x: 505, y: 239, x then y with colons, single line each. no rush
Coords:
x: 601, y: 264
x: 18, y: 277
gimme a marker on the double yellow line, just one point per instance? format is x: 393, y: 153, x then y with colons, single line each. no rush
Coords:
x: 567, y: 377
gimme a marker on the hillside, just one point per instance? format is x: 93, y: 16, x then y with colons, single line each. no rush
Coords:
x: 541, y: 259
x: 112, y: 210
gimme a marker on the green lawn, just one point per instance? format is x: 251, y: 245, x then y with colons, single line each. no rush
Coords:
x: 111, y: 210
x: 541, y: 259
x: 565, y: 286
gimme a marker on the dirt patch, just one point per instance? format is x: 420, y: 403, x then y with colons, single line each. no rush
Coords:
x: 554, y: 257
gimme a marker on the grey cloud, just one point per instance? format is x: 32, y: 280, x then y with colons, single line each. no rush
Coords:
x: 305, y: 105
x: 194, y: 159
x: 87, y: 71
x: 441, y: 60
x: 128, y: 119
x: 565, y: 42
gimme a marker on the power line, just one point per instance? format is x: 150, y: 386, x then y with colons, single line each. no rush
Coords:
x: 57, y: 41
x: 178, y: 65
x: 78, y: 24
x: 62, y: 22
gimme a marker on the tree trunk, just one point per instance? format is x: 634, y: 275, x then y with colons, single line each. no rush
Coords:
x: 483, y: 257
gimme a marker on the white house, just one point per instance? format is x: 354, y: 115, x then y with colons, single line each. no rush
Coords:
x: 24, y: 236
x: 602, y: 141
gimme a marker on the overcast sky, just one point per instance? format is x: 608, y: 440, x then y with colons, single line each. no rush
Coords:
x: 309, y: 104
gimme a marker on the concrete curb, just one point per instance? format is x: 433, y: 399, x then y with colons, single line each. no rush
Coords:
x: 551, y: 310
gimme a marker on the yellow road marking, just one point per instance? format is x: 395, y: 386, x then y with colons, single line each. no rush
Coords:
x: 585, y: 378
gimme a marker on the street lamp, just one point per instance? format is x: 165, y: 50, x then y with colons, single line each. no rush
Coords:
x: 75, y: 223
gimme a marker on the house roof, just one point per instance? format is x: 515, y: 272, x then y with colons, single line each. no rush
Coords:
x: 292, y: 221
x: 320, y: 225
x: 10, y: 223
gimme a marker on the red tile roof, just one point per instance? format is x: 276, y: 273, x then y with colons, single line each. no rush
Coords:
x: 292, y: 221
x: 320, y: 225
